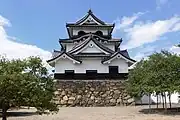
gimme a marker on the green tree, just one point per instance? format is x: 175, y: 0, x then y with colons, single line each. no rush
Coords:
x: 134, y: 85
x: 25, y: 83
x: 158, y: 74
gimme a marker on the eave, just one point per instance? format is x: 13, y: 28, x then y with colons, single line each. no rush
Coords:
x: 90, y: 13
x: 89, y: 25
x: 91, y: 55
x: 124, y: 56
x: 85, y: 42
x: 112, y: 28
x: 71, y: 57
x: 69, y: 40
x: 103, y: 47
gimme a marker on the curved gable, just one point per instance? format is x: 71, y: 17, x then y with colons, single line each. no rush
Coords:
x: 91, y: 47
x: 119, y: 55
x: 84, y: 44
x: 63, y: 55
x: 90, y: 18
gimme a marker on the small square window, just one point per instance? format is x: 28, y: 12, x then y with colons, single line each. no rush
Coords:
x: 69, y: 71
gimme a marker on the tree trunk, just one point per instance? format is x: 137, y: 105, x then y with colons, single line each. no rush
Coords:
x: 169, y: 100
x: 149, y: 102
x: 4, y: 112
x: 157, y: 101
x: 165, y: 102
x: 4, y: 117
x: 5, y: 106
x: 162, y: 99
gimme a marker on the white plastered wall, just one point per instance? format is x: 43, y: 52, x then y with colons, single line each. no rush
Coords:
x: 153, y: 99
x: 90, y: 64
x: 69, y: 46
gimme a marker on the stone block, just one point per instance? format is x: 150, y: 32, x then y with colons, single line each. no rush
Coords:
x: 91, y: 93
x: 65, y: 98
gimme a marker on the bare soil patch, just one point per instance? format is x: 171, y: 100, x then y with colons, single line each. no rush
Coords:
x: 95, y: 113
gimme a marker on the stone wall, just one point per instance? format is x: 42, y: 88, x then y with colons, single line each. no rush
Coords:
x: 92, y: 93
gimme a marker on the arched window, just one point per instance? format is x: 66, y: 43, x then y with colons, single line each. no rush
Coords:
x: 99, y: 33
x: 80, y: 33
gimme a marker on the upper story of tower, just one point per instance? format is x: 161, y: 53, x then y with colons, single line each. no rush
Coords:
x: 90, y: 39
x: 89, y: 24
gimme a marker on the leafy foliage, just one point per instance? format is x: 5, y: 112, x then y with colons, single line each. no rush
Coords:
x: 160, y: 73
x: 25, y: 83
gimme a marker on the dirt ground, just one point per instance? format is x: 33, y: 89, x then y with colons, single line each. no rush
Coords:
x: 93, y: 113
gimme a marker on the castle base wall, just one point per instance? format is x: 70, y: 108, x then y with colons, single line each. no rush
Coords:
x: 89, y: 93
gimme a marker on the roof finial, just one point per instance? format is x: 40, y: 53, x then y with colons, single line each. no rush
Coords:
x: 90, y: 11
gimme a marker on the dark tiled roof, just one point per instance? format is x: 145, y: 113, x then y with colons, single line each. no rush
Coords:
x: 55, y: 53
x: 90, y: 13
x: 91, y: 55
x: 80, y: 45
x: 86, y: 16
x: 63, y: 52
x: 102, y: 46
x: 85, y: 42
x: 124, y: 53
x: 87, y: 35
x: 86, y: 25
x: 83, y: 23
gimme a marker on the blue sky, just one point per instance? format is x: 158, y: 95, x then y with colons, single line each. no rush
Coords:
x: 36, y: 25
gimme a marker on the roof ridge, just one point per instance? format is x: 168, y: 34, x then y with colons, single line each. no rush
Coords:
x: 84, y: 43
x: 80, y: 45
x: 102, y: 46
x: 123, y: 50
x: 87, y: 15
x: 63, y: 52
x: 115, y: 53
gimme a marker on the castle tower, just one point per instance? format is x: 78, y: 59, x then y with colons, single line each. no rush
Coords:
x: 90, y: 52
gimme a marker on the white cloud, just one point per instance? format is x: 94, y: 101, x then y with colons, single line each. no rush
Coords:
x: 4, y: 21
x: 142, y: 32
x: 145, y: 51
x: 160, y: 3
x: 126, y: 21
x: 139, y: 56
x: 13, y: 50
x: 176, y: 27
x: 175, y: 49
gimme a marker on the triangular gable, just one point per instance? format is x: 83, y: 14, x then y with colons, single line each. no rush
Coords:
x: 91, y: 47
x: 64, y: 55
x: 118, y: 55
x: 80, y: 46
x: 83, y: 45
x: 90, y: 18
